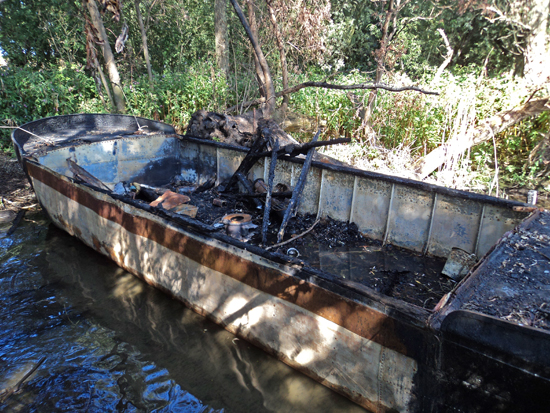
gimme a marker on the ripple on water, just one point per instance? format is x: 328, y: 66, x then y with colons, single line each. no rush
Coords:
x: 86, y: 367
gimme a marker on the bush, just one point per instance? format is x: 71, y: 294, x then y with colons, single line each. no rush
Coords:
x: 28, y: 94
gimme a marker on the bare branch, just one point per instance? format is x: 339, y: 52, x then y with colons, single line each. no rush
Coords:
x: 481, y: 133
x: 506, y: 19
x: 324, y: 85
x: 448, y: 57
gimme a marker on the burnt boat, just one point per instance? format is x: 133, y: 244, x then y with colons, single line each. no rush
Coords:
x: 482, y: 344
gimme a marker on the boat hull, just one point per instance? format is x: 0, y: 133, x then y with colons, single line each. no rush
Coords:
x: 251, y: 297
x: 379, y: 351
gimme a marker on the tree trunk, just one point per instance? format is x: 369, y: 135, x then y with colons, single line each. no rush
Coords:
x: 144, y: 42
x: 536, y: 66
x: 220, y: 33
x: 254, y: 30
x: 105, y: 84
x: 108, y: 56
x: 269, y: 105
x: 485, y: 131
x: 282, y: 52
x: 380, y: 56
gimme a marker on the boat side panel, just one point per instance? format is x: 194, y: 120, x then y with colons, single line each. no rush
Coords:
x: 336, y: 196
x: 456, y: 223
x: 198, y: 162
x: 370, y: 207
x: 228, y: 162
x: 151, y: 160
x: 409, y: 221
x: 496, y: 222
x: 99, y: 159
x: 375, y: 376
x: 309, y: 201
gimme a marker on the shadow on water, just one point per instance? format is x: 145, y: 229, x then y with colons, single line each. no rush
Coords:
x: 102, y: 340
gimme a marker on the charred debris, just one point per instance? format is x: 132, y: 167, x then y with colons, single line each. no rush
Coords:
x: 264, y: 214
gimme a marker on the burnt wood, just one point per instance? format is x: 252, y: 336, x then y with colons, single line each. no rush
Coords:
x: 297, y: 189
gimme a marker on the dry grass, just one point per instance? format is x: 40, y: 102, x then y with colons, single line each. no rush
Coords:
x: 400, y: 162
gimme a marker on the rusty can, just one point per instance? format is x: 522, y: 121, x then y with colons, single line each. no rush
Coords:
x: 219, y: 202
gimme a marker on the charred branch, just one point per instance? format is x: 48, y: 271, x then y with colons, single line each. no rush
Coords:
x: 297, y: 190
x: 270, y: 179
x: 295, y: 150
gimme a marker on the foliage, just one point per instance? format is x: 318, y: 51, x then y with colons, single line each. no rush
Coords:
x: 178, y: 95
x: 41, y: 32
x: 332, y: 40
x: 27, y: 94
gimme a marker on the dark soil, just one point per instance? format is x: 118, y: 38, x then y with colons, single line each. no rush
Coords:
x: 15, y: 189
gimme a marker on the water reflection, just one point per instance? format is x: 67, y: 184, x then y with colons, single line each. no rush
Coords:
x: 391, y: 271
x: 113, y: 343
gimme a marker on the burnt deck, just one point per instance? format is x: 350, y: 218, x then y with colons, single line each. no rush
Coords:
x: 513, y: 283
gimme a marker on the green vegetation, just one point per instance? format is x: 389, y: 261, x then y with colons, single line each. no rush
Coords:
x: 51, y: 72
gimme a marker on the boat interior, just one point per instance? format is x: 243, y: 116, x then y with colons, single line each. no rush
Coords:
x: 408, y: 228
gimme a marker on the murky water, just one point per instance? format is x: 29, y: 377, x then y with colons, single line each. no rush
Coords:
x: 102, y: 340
x: 390, y: 271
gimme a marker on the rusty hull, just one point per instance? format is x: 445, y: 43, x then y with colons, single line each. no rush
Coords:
x: 368, y: 354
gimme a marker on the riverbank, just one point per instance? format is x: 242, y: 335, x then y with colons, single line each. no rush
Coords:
x: 15, y: 190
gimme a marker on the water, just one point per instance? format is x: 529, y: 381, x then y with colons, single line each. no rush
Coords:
x: 391, y: 271
x: 102, y: 340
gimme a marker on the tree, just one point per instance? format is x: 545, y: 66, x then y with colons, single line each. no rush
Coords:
x: 536, y: 67
x: 220, y: 33
x: 144, y: 42
x: 521, y: 30
x: 267, y: 90
x: 108, y: 56
x: 41, y: 32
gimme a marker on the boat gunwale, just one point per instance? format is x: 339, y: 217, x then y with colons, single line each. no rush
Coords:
x: 431, y: 188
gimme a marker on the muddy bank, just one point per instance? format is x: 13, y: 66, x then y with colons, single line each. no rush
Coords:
x: 15, y: 189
